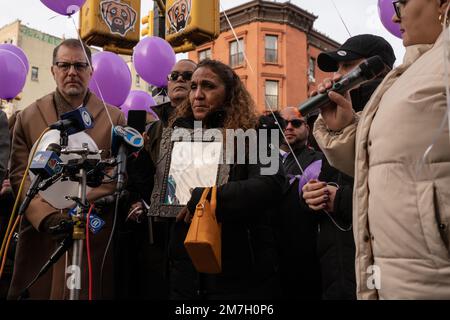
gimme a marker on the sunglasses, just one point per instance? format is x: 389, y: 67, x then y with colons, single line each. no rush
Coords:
x: 398, y: 6
x: 174, y: 75
x: 65, y: 66
x: 296, y: 123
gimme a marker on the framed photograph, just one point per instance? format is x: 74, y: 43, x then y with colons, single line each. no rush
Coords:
x: 186, y: 161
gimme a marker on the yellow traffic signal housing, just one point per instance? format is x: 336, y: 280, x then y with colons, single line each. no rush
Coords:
x: 191, y: 23
x: 147, y: 21
x: 111, y: 23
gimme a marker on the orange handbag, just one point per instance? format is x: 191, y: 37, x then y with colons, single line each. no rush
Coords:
x: 203, y: 241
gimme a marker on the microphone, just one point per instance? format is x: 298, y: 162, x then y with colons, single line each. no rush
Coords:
x: 367, y: 70
x: 44, y: 165
x: 125, y: 140
x: 74, y: 121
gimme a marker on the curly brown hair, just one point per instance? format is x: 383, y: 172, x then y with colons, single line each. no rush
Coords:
x: 239, y: 106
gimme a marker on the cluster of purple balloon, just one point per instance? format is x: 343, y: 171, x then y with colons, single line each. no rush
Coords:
x: 153, y: 59
x: 14, y: 68
x: 386, y: 12
x: 111, y: 80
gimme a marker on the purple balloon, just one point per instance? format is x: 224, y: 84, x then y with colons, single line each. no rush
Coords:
x: 138, y: 100
x: 153, y: 59
x: 64, y: 7
x: 386, y: 12
x: 111, y: 79
x: 13, y: 75
x: 18, y: 51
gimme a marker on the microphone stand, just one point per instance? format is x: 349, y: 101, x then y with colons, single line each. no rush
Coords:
x: 79, y: 173
x: 79, y: 222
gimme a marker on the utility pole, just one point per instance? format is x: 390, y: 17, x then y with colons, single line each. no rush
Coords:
x: 159, y: 23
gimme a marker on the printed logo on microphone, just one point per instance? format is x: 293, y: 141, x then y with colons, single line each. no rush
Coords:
x: 39, y: 159
x: 53, y: 164
x: 95, y: 223
x: 86, y: 118
x: 133, y: 137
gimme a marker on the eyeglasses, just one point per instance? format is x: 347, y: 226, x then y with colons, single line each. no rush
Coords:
x: 66, y: 66
x: 186, y: 75
x: 398, y: 6
x: 296, y: 123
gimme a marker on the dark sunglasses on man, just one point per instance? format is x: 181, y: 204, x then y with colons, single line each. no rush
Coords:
x: 174, y: 75
x: 65, y: 66
x: 296, y: 123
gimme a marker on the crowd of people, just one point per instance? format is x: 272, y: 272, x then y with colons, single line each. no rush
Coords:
x: 358, y: 207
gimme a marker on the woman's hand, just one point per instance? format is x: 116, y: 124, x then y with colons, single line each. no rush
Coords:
x: 136, y: 211
x: 338, y: 114
x: 319, y: 196
x: 184, y: 215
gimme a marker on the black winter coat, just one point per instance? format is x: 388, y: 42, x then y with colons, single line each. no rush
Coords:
x: 297, y: 235
x: 245, y: 206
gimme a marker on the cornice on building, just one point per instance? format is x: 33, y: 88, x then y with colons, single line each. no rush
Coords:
x: 321, y: 41
x: 267, y: 11
x: 282, y: 13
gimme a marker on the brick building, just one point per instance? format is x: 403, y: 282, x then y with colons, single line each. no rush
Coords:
x: 281, y: 47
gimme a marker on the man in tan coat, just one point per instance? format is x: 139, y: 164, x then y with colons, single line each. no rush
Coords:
x: 72, y: 74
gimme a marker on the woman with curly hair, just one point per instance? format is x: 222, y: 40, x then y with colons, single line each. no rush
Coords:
x: 245, y: 204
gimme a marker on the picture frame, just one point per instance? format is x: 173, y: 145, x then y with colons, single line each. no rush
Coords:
x: 179, y: 169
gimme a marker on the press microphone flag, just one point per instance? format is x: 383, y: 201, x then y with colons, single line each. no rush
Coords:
x: 74, y: 121
x: 128, y: 136
x: 367, y: 70
x: 44, y: 165
x: 125, y: 140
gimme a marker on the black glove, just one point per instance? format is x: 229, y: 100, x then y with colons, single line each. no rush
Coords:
x: 57, y: 225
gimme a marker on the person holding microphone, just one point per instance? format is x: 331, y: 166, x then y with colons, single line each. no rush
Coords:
x: 400, y: 161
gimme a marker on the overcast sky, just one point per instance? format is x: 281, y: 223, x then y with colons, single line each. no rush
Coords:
x: 360, y: 16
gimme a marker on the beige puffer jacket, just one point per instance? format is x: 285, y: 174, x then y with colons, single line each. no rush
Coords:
x: 401, y: 201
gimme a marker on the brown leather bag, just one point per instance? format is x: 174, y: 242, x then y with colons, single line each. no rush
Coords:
x: 203, y: 241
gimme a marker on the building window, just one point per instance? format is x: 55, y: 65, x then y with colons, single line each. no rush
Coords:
x: 138, y: 81
x: 271, y: 94
x: 312, y: 70
x: 204, y: 54
x: 236, y: 53
x: 34, y: 73
x: 272, y: 49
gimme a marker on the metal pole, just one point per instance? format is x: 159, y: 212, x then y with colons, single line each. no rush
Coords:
x: 79, y: 231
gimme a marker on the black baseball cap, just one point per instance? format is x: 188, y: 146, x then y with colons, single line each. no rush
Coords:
x: 357, y: 47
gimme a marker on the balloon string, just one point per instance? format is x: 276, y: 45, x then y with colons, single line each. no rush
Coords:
x: 342, y: 19
x: 237, y: 40
x: 90, y: 65
x: 266, y: 100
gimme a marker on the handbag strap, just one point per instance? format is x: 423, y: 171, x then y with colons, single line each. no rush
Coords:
x: 213, y: 199
x: 204, y: 195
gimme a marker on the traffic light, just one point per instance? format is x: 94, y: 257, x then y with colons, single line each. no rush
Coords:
x: 190, y: 23
x: 111, y: 24
x: 147, y: 21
